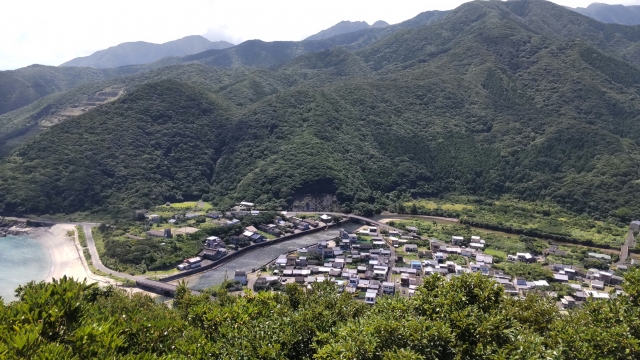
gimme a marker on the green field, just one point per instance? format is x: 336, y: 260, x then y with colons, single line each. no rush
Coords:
x: 539, y: 219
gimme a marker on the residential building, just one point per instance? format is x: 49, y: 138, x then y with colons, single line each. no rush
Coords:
x: 240, y: 276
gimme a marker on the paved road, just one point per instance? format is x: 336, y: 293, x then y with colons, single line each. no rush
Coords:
x: 95, y: 258
x: 628, y: 244
x: 97, y: 263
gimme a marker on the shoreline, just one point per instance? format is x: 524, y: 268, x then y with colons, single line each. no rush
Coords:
x: 65, y: 259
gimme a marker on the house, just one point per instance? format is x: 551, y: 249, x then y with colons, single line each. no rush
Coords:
x: 554, y: 250
x: 154, y: 218
x: 213, y: 215
x: 412, y: 229
x: 599, y: 256
x: 437, y: 245
x: 254, y: 212
x: 327, y: 252
x: 597, y: 285
x: 520, y: 282
x: 191, y: 215
x: 487, y: 259
x: 233, y: 222
x: 415, y: 264
x: 476, y: 246
x: 568, y: 302
x: 540, y: 283
x: 301, y: 261
x: 388, y: 288
x: 325, y: 218
x: 240, y: 276
x: 439, y: 257
x: 457, y: 240
x: 245, y: 204
x: 303, y: 226
x: 172, y: 221
x: 523, y: 257
x: 213, y: 254
x: 635, y: 226
x: 622, y: 267
x: 481, y: 268
x: 353, y: 280
x: 560, y: 277
x: 164, y: 233
x: 411, y: 248
x: 370, y: 297
x: 213, y: 242
x: 261, y: 284
x: 373, y: 230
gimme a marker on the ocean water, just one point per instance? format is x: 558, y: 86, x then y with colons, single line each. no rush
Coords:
x: 22, y: 259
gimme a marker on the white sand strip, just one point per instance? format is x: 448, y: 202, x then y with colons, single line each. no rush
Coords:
x: 66, y: 255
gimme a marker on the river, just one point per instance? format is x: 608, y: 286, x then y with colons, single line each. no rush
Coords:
x: 23, y: 259
x: 261, y: 256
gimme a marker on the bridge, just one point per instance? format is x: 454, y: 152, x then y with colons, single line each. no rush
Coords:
x: 160, y: 288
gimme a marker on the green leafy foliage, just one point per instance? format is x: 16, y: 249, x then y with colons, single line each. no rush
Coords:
x: 467, y: 317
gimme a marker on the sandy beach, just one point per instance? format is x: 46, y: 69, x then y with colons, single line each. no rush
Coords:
x: 66, y: 255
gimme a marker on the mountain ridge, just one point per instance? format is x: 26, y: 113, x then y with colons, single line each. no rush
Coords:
x: 141, y: 52
x: 613, y: 14
x: 346, y: 27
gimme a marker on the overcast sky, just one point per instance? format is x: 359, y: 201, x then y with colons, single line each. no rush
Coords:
x: 52, y: 32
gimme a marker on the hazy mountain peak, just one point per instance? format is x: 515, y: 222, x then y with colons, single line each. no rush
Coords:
x: 344, y: 27
x: 141, y: 52
x: 380, y: 24
x: 613, y: 14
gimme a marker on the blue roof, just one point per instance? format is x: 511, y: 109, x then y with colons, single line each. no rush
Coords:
x: 415, y: 262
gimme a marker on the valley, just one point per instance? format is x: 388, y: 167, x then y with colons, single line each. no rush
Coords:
x: 458, y: 185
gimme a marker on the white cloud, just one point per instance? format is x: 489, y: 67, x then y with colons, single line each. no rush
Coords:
x: 52, y: 32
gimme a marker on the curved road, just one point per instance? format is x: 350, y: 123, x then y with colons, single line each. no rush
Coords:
x: 97, y: 263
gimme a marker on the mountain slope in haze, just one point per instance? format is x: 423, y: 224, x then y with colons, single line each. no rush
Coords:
x: 21, y: 87
x: 140, y: 52
x: 257, y: 53
x: 26, y: 85
x: 478, y: 103
x: 346, y: 27
x: 613, y: 14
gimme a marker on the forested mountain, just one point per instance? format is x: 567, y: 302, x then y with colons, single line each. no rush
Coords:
x: 613, y: 14
x: 346, y: 27
x: 140, y: 52
x: 26, y: 85
x: 495, y: 98
x: 20, y: 90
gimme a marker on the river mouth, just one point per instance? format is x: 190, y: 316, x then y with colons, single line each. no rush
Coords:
x: 23, y: 258
x: 259, y: 257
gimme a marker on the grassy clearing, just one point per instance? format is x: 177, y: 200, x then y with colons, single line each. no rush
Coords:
x: 537, y: 219
x: 98, y: 239
x: 162, y: 272
x: 496, y: 253
x: 267, y: 235
x: 82, y: 238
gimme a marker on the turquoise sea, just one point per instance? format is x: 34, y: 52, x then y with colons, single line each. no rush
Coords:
x: 22, y: 259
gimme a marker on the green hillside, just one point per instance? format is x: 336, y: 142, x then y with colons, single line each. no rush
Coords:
x: 477, y: 103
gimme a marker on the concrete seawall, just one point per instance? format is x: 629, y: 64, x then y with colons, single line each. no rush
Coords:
x: 246, y: 250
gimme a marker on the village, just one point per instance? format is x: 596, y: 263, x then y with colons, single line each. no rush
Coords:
x: 380, y: 260
x: 373, y: 262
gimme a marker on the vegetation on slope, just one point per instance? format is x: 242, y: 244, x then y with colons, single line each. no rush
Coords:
x: 475, y: 103
x: 468, y: 317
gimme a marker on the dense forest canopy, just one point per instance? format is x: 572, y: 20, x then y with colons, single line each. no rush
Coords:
x: 466, y: 317
x: 493, y: 99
